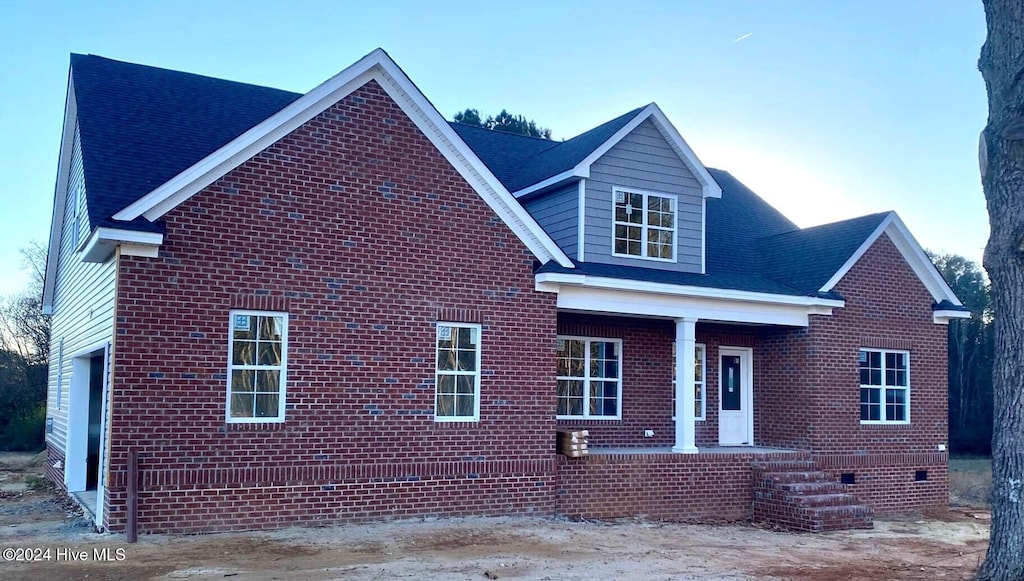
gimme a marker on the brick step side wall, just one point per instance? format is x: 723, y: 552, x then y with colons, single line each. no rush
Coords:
x: 798, y: 496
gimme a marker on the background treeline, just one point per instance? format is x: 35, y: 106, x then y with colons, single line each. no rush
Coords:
x: 24, y: 353
x: 971, y: 344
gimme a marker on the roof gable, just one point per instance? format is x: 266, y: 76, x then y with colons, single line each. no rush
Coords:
x: 141, y: 125
x: 376, y: 66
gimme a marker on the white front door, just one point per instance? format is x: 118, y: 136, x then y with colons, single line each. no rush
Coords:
x: 735, y: 397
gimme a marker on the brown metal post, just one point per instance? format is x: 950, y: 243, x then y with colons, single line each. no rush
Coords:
x: 133, y: 496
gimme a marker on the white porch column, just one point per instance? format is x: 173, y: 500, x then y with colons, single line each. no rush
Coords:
x: 686, y: 338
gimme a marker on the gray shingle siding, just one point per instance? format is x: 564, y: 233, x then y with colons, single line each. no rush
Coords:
x: 558, y: 213
x: 645, y: 161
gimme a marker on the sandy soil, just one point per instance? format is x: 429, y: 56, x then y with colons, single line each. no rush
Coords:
x: 943, y: 545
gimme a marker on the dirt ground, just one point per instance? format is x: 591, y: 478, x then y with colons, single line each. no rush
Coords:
x: 941, y: 545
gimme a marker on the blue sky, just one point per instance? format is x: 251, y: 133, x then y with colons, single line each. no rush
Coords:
x: 827, y: 109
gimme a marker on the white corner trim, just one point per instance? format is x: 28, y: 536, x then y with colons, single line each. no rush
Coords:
x: 912, y: 252
x: 545, y: 280
x: 703, y: 235
x: 709, y: 187
x: 581, y: 236
x: 60, y: 194
x: 376, y: 66
x: 566, y: 175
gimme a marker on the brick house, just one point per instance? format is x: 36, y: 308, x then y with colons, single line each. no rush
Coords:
x: 337, y: 306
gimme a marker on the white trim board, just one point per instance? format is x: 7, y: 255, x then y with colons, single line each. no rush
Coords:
x: 376, y: 66
x: 60, y: 194
x: 709, y: 187
x: 663, y: 306
x: 912, y: 252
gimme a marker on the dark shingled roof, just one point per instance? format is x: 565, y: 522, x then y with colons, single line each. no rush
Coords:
x: 519, y: 161
x: 806, y: 259
x: 141, y: 126
x: 735, y: 222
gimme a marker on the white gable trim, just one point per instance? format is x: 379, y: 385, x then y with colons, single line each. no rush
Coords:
x: 912, y: 253
x: 376, y: 66
x: 60, y: 195
x: 709, y: 187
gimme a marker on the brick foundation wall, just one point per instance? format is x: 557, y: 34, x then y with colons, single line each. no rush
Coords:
x: 359, y: 228
x: 55, y: 475
x: 669, y: 487
x: 887, y: 483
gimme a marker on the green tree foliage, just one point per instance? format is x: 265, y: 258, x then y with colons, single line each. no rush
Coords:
x: 24, y: 355
x: 971, y: 344
x: 503, y: 121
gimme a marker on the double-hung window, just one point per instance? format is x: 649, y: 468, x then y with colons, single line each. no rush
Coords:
x: 257, y: 362
x: 457, y: 378
x: 589, y: 378
x: 699, y: 380
x: 884, y: 386
x: 645, y: 225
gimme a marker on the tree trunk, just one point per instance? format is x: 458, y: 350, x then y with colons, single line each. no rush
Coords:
x: 1002, y: 66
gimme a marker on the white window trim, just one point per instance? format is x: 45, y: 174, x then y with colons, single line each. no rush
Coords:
x: 703, y: 382
x: 884, y: 387
x: 586, y: 378
x: 476, y: 375
x: 644, y: 225
x: 283, y: 368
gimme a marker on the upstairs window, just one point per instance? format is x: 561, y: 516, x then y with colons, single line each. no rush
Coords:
x: 884, y: 386
x: 257, y: 361
x: 645, y: 225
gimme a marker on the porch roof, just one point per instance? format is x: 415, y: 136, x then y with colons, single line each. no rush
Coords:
x: 731, y: 281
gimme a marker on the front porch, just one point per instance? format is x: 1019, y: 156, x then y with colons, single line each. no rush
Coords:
x: 717, y: 484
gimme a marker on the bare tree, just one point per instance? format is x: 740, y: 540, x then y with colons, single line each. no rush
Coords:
x: 24, y: 329
x: 1002, y: 170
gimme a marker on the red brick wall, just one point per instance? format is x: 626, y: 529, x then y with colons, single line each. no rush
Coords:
x: 671, y: 487
x: 358, y: 228
x: 811, y: 393
x: 886, y: 307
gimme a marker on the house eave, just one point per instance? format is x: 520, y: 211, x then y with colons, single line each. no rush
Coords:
x: 548, y: 281
x: 944, y: 317
x: 104, y: 241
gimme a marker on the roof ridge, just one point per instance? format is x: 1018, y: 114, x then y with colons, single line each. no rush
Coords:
x: 503, y: 132
x: 178, y: 72
x: 826, y: 225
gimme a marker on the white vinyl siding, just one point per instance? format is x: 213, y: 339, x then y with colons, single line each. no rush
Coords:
x: 83, y: 308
